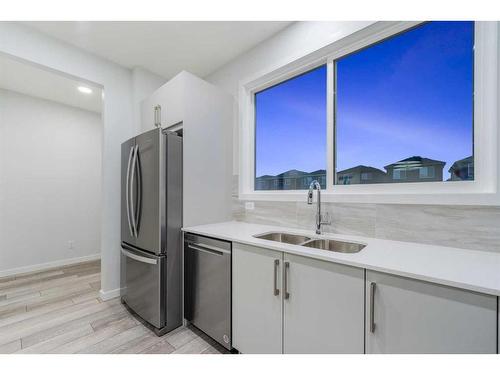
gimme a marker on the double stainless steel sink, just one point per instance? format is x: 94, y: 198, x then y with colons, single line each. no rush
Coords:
x: 316, y: 243
x: 294, y: 239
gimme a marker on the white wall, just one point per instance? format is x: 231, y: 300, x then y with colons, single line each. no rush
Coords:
x: 22, y: 42
x: 50, y: 182
x: 297, y: 40
x: 471, y: 227
x: 206, y: 115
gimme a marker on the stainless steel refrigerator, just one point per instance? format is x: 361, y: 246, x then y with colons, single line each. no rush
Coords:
x: 151, y: 219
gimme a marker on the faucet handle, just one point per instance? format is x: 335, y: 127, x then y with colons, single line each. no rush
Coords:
x: 325, y: 218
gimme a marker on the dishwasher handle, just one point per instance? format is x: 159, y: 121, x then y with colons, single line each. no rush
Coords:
x: 209, y: 249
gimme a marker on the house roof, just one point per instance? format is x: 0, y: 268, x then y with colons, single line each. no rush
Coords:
x: 360, y: 168
x: 461, y: 163
x: 291, y: 173
x: 414, y: 161
x: 319, y: 171
x: 294, y: 173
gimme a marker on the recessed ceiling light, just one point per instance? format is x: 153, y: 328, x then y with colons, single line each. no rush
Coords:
x: 84, y: 89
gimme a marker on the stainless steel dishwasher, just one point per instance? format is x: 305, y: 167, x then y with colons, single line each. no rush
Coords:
x: 207, y: 286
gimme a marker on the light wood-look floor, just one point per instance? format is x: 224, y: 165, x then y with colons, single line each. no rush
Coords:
x: 59, y: 311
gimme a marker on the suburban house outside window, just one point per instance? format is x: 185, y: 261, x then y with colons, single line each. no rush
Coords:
x: 462, y: 169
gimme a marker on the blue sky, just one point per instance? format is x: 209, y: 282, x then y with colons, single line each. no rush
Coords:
x: 409, y: 95
x: 291, y: 125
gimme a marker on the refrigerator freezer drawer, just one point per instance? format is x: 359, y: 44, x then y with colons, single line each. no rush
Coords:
x: 143, y: 290
x: 208, y: 287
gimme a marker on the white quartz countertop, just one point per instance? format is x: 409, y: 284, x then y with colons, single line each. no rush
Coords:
x: 467, y: 269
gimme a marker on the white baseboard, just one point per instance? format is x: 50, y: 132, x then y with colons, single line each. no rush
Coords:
x: 48, y: 265
x: 109, y: 294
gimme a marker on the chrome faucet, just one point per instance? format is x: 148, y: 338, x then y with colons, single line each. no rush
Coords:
x: 320, y: 220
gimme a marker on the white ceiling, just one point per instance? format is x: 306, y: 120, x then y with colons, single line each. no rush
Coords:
x: 35, y: 81
x: 164, y: 47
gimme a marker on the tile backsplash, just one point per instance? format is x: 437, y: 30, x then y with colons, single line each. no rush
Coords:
x: 469, y: 227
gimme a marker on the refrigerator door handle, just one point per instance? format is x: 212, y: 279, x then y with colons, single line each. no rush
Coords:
x: 138, y: 257
x: 132, y: 204
x: 138, y: 206
x: 127, y: 193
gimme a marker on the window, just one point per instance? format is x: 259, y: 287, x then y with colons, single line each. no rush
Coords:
x: 426, y: 172
x: 366, y: 176
x: 405, y: 105
x: 470, y: 171
x: 290, y: 132
x: 399, y: 174
x: 373, y: 113
x: 345, y: 179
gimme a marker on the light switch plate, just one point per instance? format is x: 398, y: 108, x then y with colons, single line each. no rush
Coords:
x: 249, y: 205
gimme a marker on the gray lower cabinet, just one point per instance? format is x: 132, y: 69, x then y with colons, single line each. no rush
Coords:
x: 284, y: 303
x: 410, y: 316
x: 257, y: 310
x: 324, y: 310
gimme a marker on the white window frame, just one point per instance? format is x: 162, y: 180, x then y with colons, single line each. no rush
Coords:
x: 484, y: 190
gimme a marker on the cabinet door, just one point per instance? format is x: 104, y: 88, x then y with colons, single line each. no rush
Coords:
x: 257, y: 307
x: 324, y: 307
x: 148, y: 113
x: 411, y: 316
x: 170, y: 98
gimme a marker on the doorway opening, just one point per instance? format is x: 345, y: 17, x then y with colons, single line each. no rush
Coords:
x: 51, y: 132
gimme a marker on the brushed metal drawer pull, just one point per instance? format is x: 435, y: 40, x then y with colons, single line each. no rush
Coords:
x: 373, y: 287
x: 285, y: 287
x: 276, y: 265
